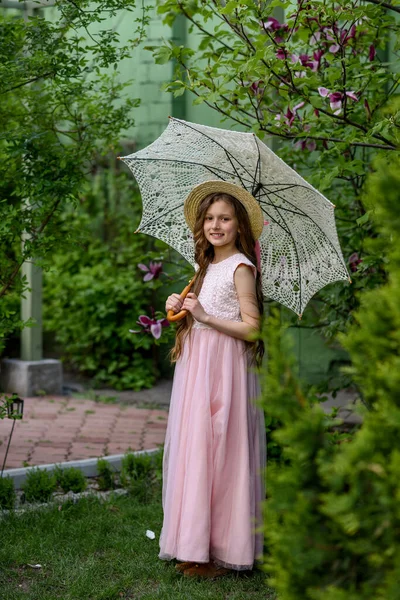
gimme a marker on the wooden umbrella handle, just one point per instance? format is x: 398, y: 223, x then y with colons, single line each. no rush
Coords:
x: 171, y: 316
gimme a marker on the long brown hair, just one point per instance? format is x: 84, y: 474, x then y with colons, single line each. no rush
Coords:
x: 204, y: 255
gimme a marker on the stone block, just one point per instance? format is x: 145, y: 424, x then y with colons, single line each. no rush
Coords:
x: 31, y: 378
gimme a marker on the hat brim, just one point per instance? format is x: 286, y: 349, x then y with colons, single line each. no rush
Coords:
x: 206, y: 188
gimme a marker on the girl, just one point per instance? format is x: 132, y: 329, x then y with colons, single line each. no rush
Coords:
x: 214, y: 452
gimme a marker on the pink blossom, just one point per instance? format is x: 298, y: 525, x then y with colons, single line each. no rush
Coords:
x: 290, y: 114
x: 281, y: 53
x: 256, y: 86
x: 153, y: 271
x: 315, y: 38
x: 323, y: 91
x: 289, y: 117
x: 352, y: 33
x: 274, y: 25
x: 153, y: 326
x: 334, y: 48
x: 354, y: 261
x: 311, y: 145
x: 305, y: 60
x: 318, y: 54
x: 352, y: 95
x: 372, y: 52
x: 306, y: 144
x: 299, y: 105
x: 367, y: 108
x: 335, y: 101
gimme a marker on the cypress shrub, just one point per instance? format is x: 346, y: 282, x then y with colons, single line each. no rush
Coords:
x: 333, y: 508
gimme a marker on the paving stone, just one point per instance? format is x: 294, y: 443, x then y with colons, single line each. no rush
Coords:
x: 121, y: 448
x: 156, y: 426
x: 92, y: 439
x: 51, y: 433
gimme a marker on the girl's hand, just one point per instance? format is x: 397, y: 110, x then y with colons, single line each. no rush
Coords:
x: 174, y: 302
x: 192, y: 304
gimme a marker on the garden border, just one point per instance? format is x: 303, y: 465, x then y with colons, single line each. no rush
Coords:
x: 88, y: 466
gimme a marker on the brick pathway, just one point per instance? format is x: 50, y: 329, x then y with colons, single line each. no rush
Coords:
x: 58, y: 429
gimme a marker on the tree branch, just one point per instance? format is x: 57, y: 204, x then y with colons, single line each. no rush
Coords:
x: 28, y: 81
x: 14, y: 274
x: 385, y: 5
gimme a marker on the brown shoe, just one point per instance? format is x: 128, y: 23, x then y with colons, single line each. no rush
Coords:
x: 206, y: 571
x: 180, y: 567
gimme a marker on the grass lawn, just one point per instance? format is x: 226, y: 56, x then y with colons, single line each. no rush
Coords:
x: 99, y: 551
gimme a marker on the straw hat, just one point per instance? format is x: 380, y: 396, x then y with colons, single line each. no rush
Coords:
x: 202, y: 190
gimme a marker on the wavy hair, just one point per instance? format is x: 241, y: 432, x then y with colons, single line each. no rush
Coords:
x: 204, y: 255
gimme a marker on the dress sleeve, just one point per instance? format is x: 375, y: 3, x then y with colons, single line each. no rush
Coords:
x: 243, y: 260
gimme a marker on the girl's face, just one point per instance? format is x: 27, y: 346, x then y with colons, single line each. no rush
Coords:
x: 221, y: 225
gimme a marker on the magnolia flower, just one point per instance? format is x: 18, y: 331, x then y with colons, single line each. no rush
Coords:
x: 306, y: 144
x: 290, y: 115
x: 352, y: 95
x: 315, y: 38
x: 335, y: 98
x: 323, y: 91
x: 354, y: 261
x: 153, y: 271
x: 256, y: 86
x: 372, y: 52
x: 367, y: 108
x: 153, y: 326
x: 335, y: 101
x: 273, y: 25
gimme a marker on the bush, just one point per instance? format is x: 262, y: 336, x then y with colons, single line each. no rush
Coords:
x: 46, y: 147
x: 140, y: 474
x: 71, y: 479
x: 106, y: 480
x: 332, y: 516
x: 7, y: 493
x: 39, y: 485
x: 99, y: 280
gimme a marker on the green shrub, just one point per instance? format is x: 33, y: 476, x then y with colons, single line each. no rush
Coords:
x: 7, y: 493
x: 98, y: 279
x: 39, y: 485
x: 70, y: 479
x: 106, y: 478
x: 140, y: 474
x: 332, y: 513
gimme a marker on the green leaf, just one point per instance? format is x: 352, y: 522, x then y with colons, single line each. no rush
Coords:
x: 363, y: 219
x: 162, y: 55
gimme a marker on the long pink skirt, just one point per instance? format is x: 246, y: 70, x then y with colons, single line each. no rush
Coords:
x: 214, y: 456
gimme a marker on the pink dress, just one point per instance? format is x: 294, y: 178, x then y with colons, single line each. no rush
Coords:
x: 214, y: 455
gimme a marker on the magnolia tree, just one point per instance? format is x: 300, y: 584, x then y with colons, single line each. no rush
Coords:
x: 61, y: 106
x: 319, y: 82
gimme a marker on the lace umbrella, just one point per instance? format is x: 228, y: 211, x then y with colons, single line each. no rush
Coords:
x: 299, y: 247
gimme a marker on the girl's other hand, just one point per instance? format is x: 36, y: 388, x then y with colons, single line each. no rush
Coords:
x: 174, y: 302
x: 192, y: 304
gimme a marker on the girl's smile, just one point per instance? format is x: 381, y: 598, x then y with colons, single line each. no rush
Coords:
x: 221, y: 225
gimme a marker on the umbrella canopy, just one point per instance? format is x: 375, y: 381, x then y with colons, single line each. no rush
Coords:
x: 299, y: 246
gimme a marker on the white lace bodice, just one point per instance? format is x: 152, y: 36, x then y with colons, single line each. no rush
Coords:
x: 218, y: 294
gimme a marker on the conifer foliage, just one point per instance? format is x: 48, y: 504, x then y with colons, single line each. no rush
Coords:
x: 333, y: 510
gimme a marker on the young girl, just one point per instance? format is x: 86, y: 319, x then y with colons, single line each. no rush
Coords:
x: 214, y: 454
